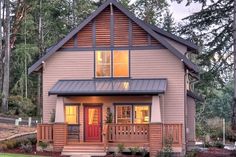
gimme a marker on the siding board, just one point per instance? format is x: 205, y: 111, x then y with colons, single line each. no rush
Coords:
x: 162, y: 64
x: 64, y: 65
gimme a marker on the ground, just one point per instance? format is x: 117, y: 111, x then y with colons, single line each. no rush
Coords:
x: 7, y: 130
x: 15, y: 155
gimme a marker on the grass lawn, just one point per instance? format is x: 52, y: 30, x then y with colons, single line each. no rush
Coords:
x: 16, y: 155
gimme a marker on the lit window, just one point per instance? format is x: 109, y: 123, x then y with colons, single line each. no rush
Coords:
x: 71, y: 114
x: 123, y: 114
x: 120, y: 63
x: 141, y: 114
x: 103, y: 63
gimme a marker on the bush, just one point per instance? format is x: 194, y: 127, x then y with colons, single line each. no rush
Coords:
x: 218, y: 144
x: 21, y: 106
x: 33, y: 140
x: 3, y: 147
x: 26, y: 147
x: 43, y: 145
x: 192, y: 153
x: 121, y: 148
x: 134, y: 150
x: 11, y: 144
x: 167, y: 150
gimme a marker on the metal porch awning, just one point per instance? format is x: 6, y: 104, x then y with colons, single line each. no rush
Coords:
x: 102, y: 87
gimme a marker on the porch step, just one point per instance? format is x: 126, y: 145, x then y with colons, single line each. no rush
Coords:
x: 84, y: 150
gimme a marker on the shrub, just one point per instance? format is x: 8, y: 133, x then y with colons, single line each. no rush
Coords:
x: 26, y: 147
x: 218, y: 144
x: 134, y: 150
x: 192, y: 153
x: 11, y: 144
x: 21, y: 106
x: 33, y: 140
x: 43, y: 145
x: 167, y: 149
x: 3, y: 147
x: 143, y: 152
x: 121, y: 148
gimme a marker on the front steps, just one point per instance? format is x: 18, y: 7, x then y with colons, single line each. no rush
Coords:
x: 84, y: 150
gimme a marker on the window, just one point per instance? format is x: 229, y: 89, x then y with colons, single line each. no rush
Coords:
x: 141, y: 114
x: 103, y: 64
x: 71, y: 114
x: 123, y: 114
x: 119, y: 64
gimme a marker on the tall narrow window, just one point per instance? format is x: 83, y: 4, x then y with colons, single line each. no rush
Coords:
x: 120, y: 63
x: 71, y: 114
x: 103, y: 63
x: 141, y: 114
x: 123, y: 114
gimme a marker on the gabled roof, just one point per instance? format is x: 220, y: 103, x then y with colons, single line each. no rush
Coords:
x: 98, y: 87
x: 151, y: 30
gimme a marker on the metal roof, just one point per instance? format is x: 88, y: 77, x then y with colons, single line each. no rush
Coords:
x: 97, y: 87
x: 151, y: 30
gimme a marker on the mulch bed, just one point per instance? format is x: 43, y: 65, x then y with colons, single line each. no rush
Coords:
x: 19, y: 151
x: 217, y: 152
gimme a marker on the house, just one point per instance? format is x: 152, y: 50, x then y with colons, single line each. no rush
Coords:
x: 117, y: 80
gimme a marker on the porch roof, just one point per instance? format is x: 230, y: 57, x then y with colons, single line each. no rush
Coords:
x: 98, y: 87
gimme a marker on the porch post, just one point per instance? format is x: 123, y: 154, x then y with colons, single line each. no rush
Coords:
x: 59, y: 113
x: 155, y: 127
x: 156, y: 110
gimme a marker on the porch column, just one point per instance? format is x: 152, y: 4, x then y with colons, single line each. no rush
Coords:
x: 156, y: 110
x: 59, y: 113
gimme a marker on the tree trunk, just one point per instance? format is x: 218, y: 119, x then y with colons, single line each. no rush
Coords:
x: 234, y: 101
x: 6, y: 61
x: 40, y: 40
x: 1, y: 63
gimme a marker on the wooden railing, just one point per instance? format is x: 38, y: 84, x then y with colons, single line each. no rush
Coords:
x: 173, y: 131
x: 128, y: 133
x: 45, y: 132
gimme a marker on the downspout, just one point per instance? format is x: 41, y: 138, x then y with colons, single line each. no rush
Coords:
x: 185, y: 111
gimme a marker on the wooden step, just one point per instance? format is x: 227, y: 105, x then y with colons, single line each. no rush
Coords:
x: 84, y: 149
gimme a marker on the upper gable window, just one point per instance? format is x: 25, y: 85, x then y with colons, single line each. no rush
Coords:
x: 103, y: 63
x: 119, y: 64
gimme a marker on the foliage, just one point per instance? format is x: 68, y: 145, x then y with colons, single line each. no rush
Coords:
x: 192, y: 153
x: 121, y: 148
x: 11, y: 144
x: 26, y: 147
x: 167, y: 149
x: 134, y: 150
x: 42, y: 144
x: 3, y: 147
x: 143, y: 152
x: 109, y: 117
x: 52, y: 117
x: 21, y: 106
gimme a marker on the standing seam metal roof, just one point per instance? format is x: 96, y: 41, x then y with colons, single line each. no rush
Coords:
x: 109, y: 87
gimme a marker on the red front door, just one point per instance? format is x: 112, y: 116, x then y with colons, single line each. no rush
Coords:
x: 93, y: 123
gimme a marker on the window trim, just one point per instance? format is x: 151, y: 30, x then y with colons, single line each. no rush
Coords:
x: 78, y: 109
x: 132, y: 111
x: 112, y: 69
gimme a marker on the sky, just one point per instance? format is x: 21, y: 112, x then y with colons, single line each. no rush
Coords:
x: 181, y: 11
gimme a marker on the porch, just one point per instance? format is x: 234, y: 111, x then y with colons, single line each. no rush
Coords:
x: 150, y: 136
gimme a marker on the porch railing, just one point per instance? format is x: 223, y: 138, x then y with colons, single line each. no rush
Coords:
x: 45, y: 132
x: 173, y: 131
x: 128, y: 132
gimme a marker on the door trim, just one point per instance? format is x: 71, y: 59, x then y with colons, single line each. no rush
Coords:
x: 100, y: 105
